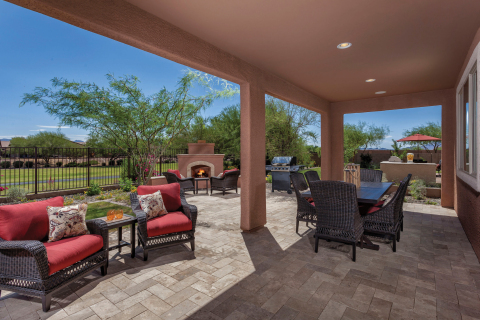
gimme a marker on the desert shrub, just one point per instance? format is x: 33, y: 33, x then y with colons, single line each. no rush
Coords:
x: 123, y: 198
x: 125, y: 184
x: 79, y: 197
x: 29, y: 164
x: 68, y: 202
x: 5, y: 164
x: 418, y: 190
x: 18, y: 164
x: 104, y: 196
x: 15, y: 194
x: 59, y: 163
x: 94, y: 189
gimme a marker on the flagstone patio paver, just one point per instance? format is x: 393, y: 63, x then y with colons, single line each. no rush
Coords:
x: 274, y: 273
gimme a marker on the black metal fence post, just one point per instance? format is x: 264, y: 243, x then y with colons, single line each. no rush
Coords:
x: 88, y: 167
x: 36, y: 170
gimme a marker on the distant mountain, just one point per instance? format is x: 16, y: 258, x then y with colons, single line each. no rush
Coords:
x: 5, y: 139
x: 79, y: 141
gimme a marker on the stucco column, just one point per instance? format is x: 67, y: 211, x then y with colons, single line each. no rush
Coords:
x: 253, y: 197
x: 448, y: 150
x: 335, y: 132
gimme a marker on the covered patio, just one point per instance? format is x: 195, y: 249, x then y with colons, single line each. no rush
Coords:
x: 274, y: 274
x: 421, y: 54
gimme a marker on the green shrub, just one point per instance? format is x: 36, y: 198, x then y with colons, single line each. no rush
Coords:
x: 89, y: 163
x: 104, y: 164
x: 71, y: 164
x: 18, y: 164
x: 366, y: 160
x: 29, y: 164
x: 47, y: 165
x: 418, y: 189
x: 269, y: 179
x: 119, y: 162
x: 111, y: 162
x: 125, y: 184
x: 15, y: 194
x: 5, y: 164
x: 59, y: 163
x: 94, y: 189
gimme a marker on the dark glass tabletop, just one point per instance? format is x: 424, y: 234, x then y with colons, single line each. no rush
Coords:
x: 369, y: 192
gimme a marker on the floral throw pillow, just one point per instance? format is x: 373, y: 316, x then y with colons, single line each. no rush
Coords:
x: 152, y: 204
x: 66, y: 222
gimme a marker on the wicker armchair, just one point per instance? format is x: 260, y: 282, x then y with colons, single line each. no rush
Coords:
x: 386, y: 220
x: 369, y: 175
x: 338, y: 216
x: 305, y: 210
x: 311, y: 176
x: 25, y: 267
x: 187, y: 184
x: 228, y: 181
x: 164, y: 240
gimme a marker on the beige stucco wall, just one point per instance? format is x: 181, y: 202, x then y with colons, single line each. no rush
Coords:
x: 396, y: 171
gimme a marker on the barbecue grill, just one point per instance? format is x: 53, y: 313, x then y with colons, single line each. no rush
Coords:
x: 280, y: 170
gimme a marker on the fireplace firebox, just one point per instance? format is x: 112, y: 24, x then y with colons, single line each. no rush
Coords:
x: 201, y: 171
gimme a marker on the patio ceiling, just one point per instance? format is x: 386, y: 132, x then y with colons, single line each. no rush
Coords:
x: 407, y: 46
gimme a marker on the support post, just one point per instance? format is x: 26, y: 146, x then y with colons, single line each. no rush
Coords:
x: 253, y: 197
x: 332, y: 145
x: 449, y: 130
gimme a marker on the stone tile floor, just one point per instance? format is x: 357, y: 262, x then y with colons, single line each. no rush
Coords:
x: 275, y: 274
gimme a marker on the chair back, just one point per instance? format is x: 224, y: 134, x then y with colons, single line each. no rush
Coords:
x: 337, y: 205
x: 171, y: 177
x: 299, y: 183
x: 406, y: 180
x: 370, y: 175
x: 311, y: 176
x: 231, y: 178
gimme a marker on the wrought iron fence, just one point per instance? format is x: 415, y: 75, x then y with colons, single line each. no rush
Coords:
x: 54, y: 169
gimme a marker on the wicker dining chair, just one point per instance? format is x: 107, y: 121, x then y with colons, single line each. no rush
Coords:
x: 386, y: 220
x: 305, y: 210
x: 338, y: 216
x: 311, y: 176
x: 370, y: 175
x: 187, y: 184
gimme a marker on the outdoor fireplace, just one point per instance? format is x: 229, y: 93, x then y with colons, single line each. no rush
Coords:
x: 201, y: 171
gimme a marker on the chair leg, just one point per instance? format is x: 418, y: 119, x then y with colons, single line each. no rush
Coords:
x: 192, y: 245
x: 296, y: 230
x: 103, y: 269
x: 316, y: 244
x: 354, y: 252
x: 145, y: 255
x: 46, y: 301
x: 394, y: 244
x: 401, y: 226
x: 398, y: 236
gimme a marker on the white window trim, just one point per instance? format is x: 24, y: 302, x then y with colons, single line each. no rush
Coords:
x: 471, y: 180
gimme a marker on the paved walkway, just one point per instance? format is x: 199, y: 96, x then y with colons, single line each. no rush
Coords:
x: 275, y: 274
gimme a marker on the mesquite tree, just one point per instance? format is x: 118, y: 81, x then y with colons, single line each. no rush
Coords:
x: 142, y: 126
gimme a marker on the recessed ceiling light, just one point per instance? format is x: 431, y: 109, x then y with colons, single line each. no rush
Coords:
x: 369, y: 80
x: 380, y: 92
x: 344, y: 45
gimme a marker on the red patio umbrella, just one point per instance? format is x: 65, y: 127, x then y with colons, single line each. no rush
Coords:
x: 418, y: 137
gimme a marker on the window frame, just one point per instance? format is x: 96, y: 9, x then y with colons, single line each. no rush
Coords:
x: 472, y: 177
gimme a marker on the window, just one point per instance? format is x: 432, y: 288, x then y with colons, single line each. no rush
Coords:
x: 467, y: 128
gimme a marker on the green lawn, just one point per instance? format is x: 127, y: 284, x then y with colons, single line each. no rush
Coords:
x: 100, y: 209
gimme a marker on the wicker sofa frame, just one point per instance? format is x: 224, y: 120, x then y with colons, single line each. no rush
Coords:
x: 187, y: 184
x: 338, y: 215
x: 305, y: 211
x: 370, y: 175
x: 24, y: 266
x: 228, y: 181
x: 166, y: 240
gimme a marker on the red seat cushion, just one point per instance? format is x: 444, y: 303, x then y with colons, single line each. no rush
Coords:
x: 368, y: 209
x: 225, y: 171
x: 379, y: 203
x: 176, y: 172
x: 63, y: 253
x: 169, y: 223
x: 170, y: 194
x: 26, y: 221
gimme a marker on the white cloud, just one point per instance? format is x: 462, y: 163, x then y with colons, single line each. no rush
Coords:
x: 53, y: 127
x: 38, y: 130
x: 9, y: 137
x: 388, y: 137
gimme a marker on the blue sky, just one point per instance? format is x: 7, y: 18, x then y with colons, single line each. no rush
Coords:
x: 36, y: 48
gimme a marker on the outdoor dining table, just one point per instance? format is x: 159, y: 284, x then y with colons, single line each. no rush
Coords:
x: 368, y: 193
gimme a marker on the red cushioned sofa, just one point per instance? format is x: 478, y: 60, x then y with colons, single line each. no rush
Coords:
x: 30, y: 265
x: 176, y: 227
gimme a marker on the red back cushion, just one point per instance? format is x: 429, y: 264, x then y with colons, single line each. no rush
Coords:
x: 170, y: 194
x: 176, y: 172
x: 26, y: 221
x: 225, y: 171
